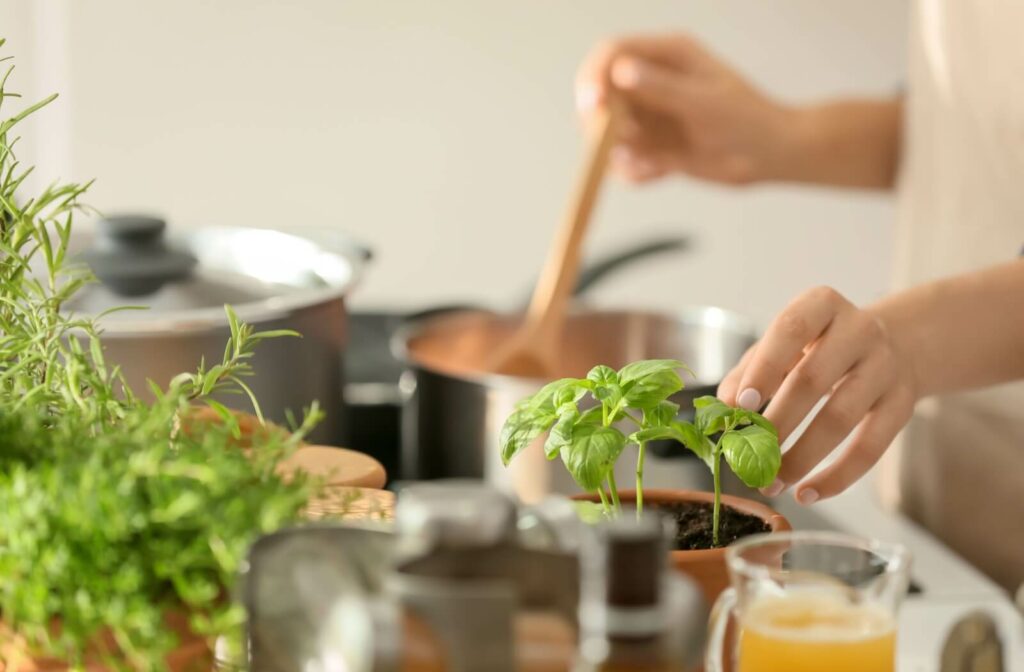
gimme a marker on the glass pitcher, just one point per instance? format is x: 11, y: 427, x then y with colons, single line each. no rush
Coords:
x: 807, y: 602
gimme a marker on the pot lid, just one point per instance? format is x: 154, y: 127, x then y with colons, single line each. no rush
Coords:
x: 183, y: 280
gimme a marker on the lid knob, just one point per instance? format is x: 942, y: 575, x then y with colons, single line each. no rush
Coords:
x: 132, y: 258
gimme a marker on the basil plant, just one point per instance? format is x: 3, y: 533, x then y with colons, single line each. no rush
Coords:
x: 591, y: 420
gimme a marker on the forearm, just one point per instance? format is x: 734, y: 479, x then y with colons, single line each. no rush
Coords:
x: 962, y: 332
x: 847, y: 143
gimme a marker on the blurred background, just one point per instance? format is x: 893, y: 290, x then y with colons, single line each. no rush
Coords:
x: 443, y: 134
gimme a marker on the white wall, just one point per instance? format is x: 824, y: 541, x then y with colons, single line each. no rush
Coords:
x: 443, y: 134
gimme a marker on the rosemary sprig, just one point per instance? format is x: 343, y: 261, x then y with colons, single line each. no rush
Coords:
x: 112, y: 517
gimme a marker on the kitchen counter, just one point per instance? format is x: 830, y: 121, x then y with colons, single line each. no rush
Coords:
x: 950, y: 587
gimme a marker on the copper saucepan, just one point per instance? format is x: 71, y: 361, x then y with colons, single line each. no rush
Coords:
x: 453, y: 411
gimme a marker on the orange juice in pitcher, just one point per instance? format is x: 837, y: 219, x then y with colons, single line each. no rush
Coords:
x: 809, y: 602
x: 815, y: 632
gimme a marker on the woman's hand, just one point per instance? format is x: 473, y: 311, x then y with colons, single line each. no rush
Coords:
x: 686, y: 111
x: 822, y: 344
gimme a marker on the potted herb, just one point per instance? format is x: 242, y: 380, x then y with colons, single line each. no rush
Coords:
x: 124, y: 524
x: 591, y: 420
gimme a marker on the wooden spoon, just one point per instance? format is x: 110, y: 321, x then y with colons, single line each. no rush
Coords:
x: 532, y: 351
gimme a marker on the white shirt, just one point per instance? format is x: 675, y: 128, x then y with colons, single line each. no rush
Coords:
x: 961, y: 208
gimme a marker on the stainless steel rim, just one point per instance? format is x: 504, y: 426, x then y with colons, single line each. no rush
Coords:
x: 255, y: 312
x: 896, y: 556
x: 689, y: 315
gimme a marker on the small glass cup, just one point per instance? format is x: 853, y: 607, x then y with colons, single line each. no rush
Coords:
x: 809, y: 601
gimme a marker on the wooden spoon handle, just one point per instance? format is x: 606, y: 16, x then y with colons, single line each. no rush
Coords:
x: 554, y: 287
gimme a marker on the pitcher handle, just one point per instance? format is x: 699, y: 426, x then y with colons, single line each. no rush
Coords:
x: 718, y: 624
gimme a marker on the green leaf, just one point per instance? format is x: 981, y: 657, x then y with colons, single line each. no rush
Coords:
x: 277, y: 333
x: 545, y: 398
x: 521, y: 428
x: 712, y: 414
x: 590, y: 513
x: 591, y: 416
x: 182, y: 505
x: 683, y: 432
x: 642, y: 369
x: 229, y: 418
x: 252, y: 397
x: 603, y: 375
x: 755, y: 418
x: 698, y: 444
x: 568, y: 395
x: 560, y: 435
x: 661, y: 415
x: 592, y: 454
x: 753, y: 454
x: 605, y: 388
x: 652, y: 389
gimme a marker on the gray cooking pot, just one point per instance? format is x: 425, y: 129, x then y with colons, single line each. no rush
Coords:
x: 273, y: 280
x: 453, y: 412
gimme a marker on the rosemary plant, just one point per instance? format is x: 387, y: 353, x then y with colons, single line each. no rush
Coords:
x: 112, y: 516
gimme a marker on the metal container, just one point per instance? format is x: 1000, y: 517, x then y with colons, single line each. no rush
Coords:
x: 453, y: 413
x: 373, y: 374
x: 272, y: 280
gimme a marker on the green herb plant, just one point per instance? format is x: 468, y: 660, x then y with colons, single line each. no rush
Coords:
x: 113, y: 514
x: 591, y: 420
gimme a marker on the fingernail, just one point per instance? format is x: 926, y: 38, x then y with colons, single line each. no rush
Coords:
x: 749, y: 399
x: 627, y: 73
x: 586, y: 97
x: 774, y: 489
x: 807, y: 496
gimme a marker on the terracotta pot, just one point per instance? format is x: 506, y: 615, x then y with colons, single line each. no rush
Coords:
x: 192, y: 654
x: 706, y: 567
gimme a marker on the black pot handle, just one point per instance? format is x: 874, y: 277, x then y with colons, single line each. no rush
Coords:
x: 592, y: 272
x: 595, y: 271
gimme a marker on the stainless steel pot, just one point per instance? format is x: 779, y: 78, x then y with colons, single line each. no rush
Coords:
x: 273, y: 280
x: 373, y: 374
x: 453, y: 412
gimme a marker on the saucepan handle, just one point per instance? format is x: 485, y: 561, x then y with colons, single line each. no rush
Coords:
x: 597, y: 270
x: 718, y: 624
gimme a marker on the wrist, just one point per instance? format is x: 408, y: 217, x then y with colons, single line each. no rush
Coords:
x: 795, y: 136
x: 903, y: 340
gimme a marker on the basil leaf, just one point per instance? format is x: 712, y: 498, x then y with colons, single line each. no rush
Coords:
x: 606, y: 388
x: 683, y: 432
x: 590, y: 513
x: 591, y: 416
x: 603, y: 375
x: 692, y: 438
x: 753, y: 454
x: 763, y: 422
x: 652, y: 389
x: 568, y: 395
x: 742, y: 417
x: 648, y: 367
x: 520, y: 429
x: 561, y: 434
x: 654, y: 434
x: 661, y: 415
x: 592, y: 454
x: 712, y: 414
x: 545, y: 398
